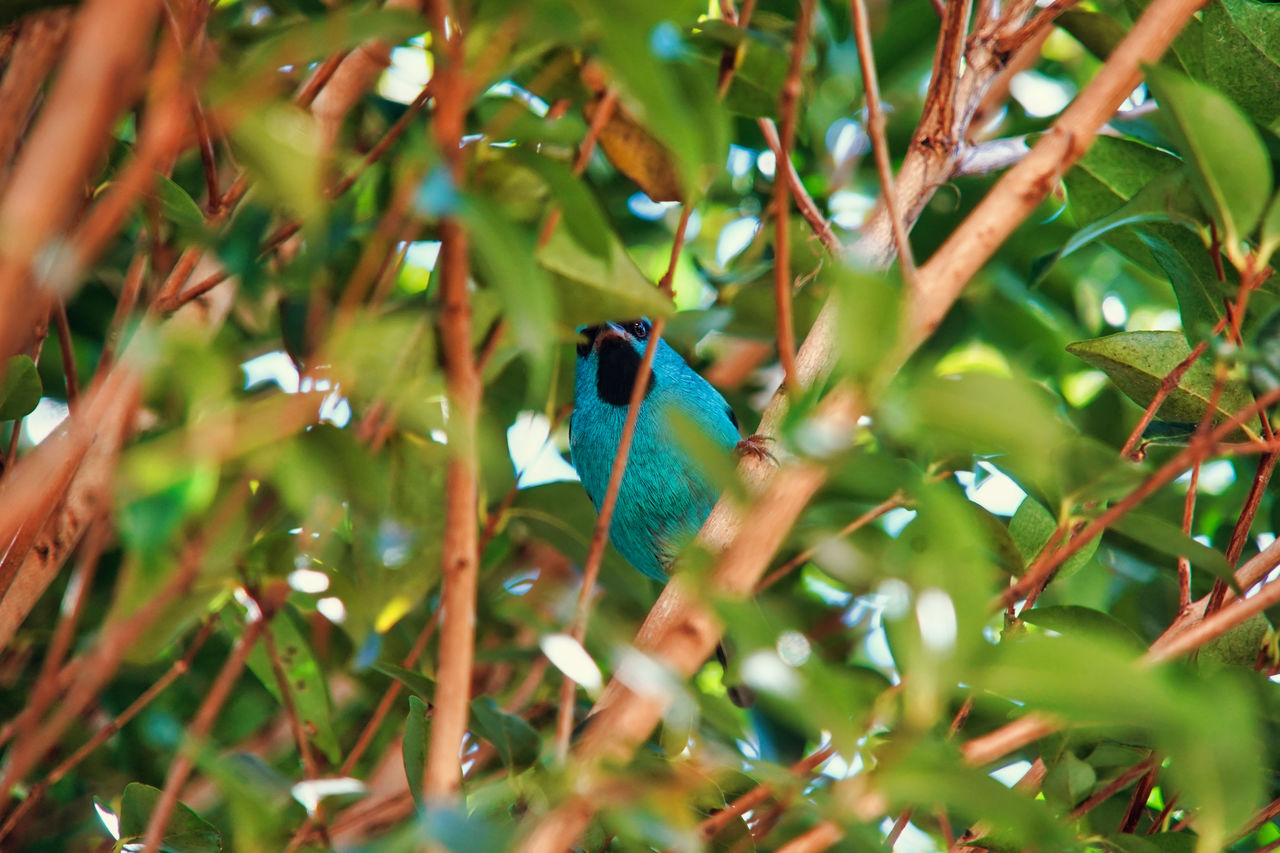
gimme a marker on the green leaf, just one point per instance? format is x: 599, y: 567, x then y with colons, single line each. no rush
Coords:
x: 413, y: 749
x: 761, y: 62
x: 1269, y: 231
x: 1031, y: 528
x: 307, y: 688
x: 19, y: 388
x: 505, y: 256
x: 594, y: 289
x: 1137, y: 362
x: 1071, y: 618
x: 1167, y: 198
x: 1168, y: 538
x: 178, y: 207
x: 1069, y: 781
x: 1190, y: 269
x: 418, y: 684
x: 582, y: 214
x: 1240, y: 44
x: 279, y: 146
x: 187, y: 832
x: 1231, y: 170
x: 1239, y: 645
x: 516, y: 741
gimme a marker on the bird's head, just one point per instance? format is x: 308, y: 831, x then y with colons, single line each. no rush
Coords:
x: 614, y: 350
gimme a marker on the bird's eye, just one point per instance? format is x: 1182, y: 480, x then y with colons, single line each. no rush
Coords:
x: 639, y: 330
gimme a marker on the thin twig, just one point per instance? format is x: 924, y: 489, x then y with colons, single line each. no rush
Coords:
x: 206, y: 715
x: 892, y: 502
x: 1167, y: 386
x: 67, y: 351
x: 782, y: 281
x: 879, y: 143
x: 761, y: 793
x: 1106, y: 791
x: 309, y: 765
x: 1041, y: 20
x: 600, y: 533
x: 805, y: 204
x: 599, y: 118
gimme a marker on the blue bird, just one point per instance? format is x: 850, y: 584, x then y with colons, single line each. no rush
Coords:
x: 665, y: 495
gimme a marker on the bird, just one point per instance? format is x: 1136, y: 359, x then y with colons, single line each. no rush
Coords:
x: 665, y: 494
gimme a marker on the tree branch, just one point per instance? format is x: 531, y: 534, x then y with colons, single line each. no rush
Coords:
x: 443, y: 772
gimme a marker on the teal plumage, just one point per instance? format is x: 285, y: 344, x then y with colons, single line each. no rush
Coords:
x: 665, y: 495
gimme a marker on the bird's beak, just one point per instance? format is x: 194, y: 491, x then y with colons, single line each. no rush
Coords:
x: 608, y: 332
x: 594, y: 336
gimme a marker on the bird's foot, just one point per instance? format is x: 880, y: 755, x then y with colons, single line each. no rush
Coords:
x: 755, y: 445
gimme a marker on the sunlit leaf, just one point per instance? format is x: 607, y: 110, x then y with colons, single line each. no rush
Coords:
x: 1230, y: 167
x: 1138, y: 362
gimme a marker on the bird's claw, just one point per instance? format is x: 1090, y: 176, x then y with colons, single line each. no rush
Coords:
x: 754, y: 445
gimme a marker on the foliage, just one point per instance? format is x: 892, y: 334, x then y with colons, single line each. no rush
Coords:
x: 238, y: 610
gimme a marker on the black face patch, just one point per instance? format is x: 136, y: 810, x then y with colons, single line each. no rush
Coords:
x: 616, y: 372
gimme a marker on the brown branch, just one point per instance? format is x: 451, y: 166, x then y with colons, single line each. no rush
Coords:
x: 60, y: 487
x: 38, y: 46
x: 1024, y: 186
x: 67, y: 351
x: 600, y: 116
x: 823, y: 835
x: 389, y: 698
x: 182, y: 764
x: 48, y: 683
x: 1167, y: 386
x: 1214, y: 625
x: 888, y: 504
x: 443, y: 772
x: 1138, y: 801
x: 805, y: 204
x: 208, y: 158
x: 879, y: 144
x: 62, y: 151
x: 761, y: 793
x: 1041, y: 21
x: 388, y: 139
x: 782, y: 281
x: 1107, y: 791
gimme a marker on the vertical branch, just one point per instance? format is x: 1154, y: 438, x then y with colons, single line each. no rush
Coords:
x: 782, y: 198
x: 443, y: 773
x: 879, y: 144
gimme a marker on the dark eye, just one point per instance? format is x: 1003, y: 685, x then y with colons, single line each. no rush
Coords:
x: 639, y: 330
